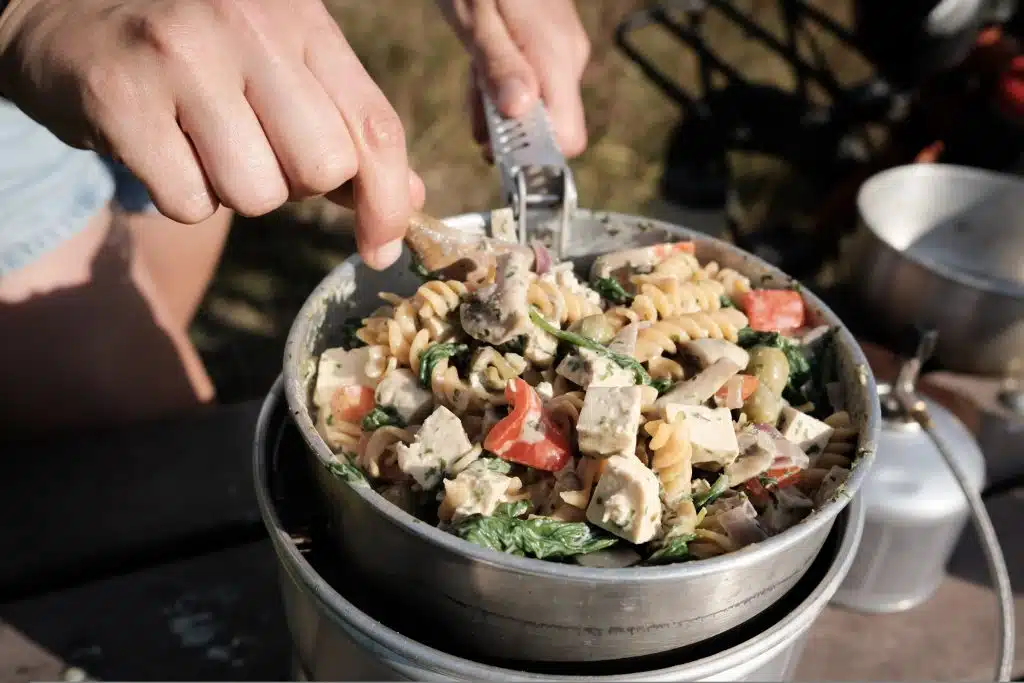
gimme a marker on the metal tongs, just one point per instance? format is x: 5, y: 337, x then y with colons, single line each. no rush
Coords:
x: 905, y: 403
x: 535, y: 178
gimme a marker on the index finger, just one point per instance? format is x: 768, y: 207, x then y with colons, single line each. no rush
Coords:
x: 381, y: 196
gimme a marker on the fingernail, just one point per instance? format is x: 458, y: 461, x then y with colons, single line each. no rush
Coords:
x: 513, y: 96
x: 384, y: 256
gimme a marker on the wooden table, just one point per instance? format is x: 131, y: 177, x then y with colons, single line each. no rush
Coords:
x: 141, y: 556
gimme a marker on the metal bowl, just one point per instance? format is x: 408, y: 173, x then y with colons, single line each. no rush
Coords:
x: 521, y: 608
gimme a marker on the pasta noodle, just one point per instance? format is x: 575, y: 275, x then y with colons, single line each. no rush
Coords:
x: 537, y: 401
x: 662, y: 336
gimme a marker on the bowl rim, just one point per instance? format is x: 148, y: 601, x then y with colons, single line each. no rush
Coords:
x: 340, y: 608
x: 901, y: 174
x: 296, y: 396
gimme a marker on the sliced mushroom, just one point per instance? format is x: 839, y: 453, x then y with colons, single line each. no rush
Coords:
x: 701, y: 386
x: 707, y: 351
x: 457, y: 254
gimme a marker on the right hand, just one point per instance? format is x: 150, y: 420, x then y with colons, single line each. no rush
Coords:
x: 241, y: 103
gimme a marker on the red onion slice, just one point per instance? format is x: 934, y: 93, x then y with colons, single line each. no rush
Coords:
x: 541, y: 257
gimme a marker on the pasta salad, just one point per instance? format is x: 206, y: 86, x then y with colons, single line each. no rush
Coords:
x: 660, y: 410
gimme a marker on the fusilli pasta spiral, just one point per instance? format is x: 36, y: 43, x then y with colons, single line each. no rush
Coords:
x: 379, y: 458
x: 662, y: 336
x: 672, y: 457
x: 736, y: 284
x: 664, y: 297
x: 559, y: 303
x: 839, y: 450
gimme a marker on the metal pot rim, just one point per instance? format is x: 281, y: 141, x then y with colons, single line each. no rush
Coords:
x: 334, y: 604
x: 295, y: 393
x: 996, y: 286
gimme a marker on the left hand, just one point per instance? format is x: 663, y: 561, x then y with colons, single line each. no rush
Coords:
x: 525, y: 49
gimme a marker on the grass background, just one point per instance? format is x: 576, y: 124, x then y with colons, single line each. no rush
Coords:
x: 272, y: 263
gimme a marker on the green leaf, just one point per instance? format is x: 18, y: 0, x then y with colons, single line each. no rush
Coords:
x: 539, y: 537
x: 632, y: 364
x: 718, y: 488
x: 726, y: 302
x: 349, y: 340
x: 676, y: 550
x: 418, y: 268
x: 662, y: 385
x: 612, y: 290
x: 434, y: 354
x: 345, y: 467
x: 381, y: 417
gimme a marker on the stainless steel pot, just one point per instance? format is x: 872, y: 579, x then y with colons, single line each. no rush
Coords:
x: 339, y: 636
x: 943, y: 247
x: 497, y: 603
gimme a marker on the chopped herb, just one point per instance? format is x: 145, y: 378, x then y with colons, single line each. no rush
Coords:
x: 676, y: 550
x: 434, y: 354
x: 540, y: 537
x: 494, y: 465
x: 632, y: 364
x: 418, y: 268
x: 726, y: 302
x: 517, y: 345
x: 345, y: 467
x: 349, y: 328
x: 662, y: 385
x: 612, y: 290
x: 709, y: 496
x: 382, y: 417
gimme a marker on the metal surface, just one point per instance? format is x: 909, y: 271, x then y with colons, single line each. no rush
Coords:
x: 561, y: 612
x: 943, y: 247
x: 534, y: 173
x: 335, y: 639
x: 914, y: 513
x: 910, y: 406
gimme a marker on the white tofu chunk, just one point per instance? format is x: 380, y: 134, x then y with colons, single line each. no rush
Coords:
x: 711, y: 433
x: 625, y: 501
x: 400, y: 390
x: 439, y: 442
x: 587, y: 368
x: 541, y: 347
x: 339, y: 368
x: 810, y: 434
x: 477, y: 491
x: 609, y: 421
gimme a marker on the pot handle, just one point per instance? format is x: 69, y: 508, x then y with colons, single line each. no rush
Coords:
x: 911, y: 405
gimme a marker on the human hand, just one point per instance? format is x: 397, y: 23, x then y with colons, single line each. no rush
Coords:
x: 523, y: 49
x: 245, y: 103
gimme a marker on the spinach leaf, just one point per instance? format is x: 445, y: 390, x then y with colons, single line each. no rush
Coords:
x: 418, y: 268
x: 808, y: 373
x: 349, y: 340
x: 662, y: 385
x: 676, y: 550
x: 539, y: 537
x: 434, y: 354
x: 629, y: 363
x: 709, y: 496
x: 345, y: 467
x: 612, y: 290
x: 726, y: 302
x: 381, y: 417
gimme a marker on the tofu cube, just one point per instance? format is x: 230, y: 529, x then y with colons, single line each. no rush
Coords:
x: 625, y: 501
x: 810, y: 434
x: 609, y: 421
x: 711, y: 432
x: 400, y: 390
x: 440, y: 441
x: 339, y: 368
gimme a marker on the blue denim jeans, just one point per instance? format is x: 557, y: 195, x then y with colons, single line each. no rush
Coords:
x: 49, y: 191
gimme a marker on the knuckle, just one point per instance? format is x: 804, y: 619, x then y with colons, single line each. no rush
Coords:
x: 382, y: 129
x: 322, y: 175
x: 107, y: 86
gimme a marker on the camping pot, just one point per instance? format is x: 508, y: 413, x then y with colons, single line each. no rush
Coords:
x: 914, y: 512
x: 343, y: 630
x: 942, y: 247
x: 559, y: 611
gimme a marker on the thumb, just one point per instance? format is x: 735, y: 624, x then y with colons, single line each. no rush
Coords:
x: 505, y: 72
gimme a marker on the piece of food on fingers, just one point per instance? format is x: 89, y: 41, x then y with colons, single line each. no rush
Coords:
x: 658, y: 410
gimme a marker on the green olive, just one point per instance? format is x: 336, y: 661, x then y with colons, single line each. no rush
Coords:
x: 769, y: 365
x: 763, y: 406
x: 594, y: 327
